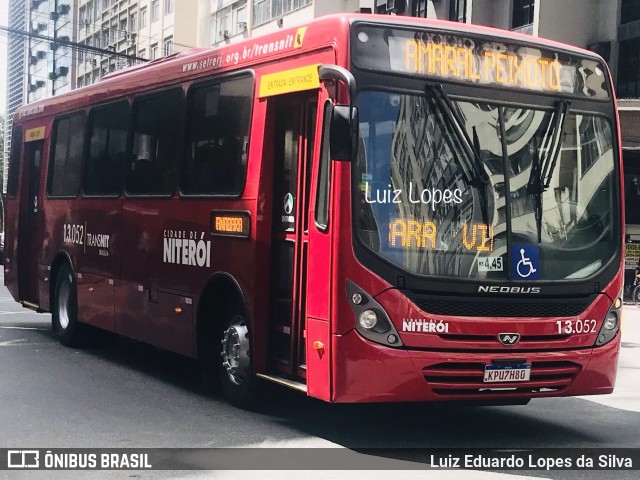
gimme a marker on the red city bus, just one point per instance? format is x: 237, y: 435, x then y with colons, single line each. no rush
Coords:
x: 365, y: 208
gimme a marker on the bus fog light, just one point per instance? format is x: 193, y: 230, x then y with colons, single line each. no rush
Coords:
x: 368, y: 319
x: 611, y: 320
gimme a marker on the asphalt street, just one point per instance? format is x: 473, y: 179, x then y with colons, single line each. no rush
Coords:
x: 119, y: 393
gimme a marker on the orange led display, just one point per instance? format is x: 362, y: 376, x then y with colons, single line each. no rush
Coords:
x: 480, y: 239
x: 229, y: 224
x: 488, y: 66
x: 411, y: 233
x: 497, y: 61
x: 236, y: 224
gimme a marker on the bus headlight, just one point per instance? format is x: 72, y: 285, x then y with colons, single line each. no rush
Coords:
x: 611, y: 320
x: 611, y: 323
x: 368, y: 319
x: 371, y: 320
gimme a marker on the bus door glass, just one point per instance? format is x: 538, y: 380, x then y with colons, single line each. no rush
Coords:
x: 31, y: 235
x: 294, y: 138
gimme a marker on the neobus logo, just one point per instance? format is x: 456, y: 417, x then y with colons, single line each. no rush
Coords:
x: 494, y: 289
x: 509, y: 338
x: 181, y: 250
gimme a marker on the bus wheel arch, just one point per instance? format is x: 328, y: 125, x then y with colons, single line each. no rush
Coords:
x: 223, y: 334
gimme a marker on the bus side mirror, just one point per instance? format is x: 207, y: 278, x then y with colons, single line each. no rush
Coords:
x: 344, y: 133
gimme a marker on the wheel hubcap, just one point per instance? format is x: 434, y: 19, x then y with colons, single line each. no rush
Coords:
x: 63, y: 305
x: 235, y: 352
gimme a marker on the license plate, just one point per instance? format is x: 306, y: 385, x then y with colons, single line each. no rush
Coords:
x: 507, y: 373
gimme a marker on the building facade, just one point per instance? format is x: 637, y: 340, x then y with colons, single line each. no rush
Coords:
x: 16, y: 79
x: 40, y: 64
x: 135, y: 30
x: 227, y: 21
x: 49, y: 57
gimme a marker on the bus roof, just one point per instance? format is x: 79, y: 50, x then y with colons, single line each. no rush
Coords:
x: 196, y: 62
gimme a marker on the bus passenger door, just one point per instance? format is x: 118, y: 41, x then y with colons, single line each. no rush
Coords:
x: 295, y: 124
x: 30, y: 224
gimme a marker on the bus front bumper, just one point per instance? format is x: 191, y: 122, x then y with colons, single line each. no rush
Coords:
x: 368, y: 372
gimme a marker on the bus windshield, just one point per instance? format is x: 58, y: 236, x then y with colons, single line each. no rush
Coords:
x: 478, y: 190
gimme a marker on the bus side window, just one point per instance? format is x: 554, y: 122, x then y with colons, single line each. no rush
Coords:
x: 218, y: 126
x: 157, y: 143
x: 66, y: 153
x: 107, y: 147
x: 215, y: 161
x: 14, y: 161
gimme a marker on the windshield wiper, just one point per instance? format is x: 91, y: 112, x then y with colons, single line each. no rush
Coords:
x: 473, y: 162
x: 542, y: 173
x: 553, y: 150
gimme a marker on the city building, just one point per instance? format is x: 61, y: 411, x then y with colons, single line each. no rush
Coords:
x: 227, y: 21
x: 50, y: 58
x: 16, y: 78
x: 40, y: 63
x: 134, y: 30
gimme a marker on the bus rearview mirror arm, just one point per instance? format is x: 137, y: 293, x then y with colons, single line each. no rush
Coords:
x: 344, y: 118
x: 341, y: 74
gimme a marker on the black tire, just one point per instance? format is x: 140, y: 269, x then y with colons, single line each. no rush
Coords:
x: 65, y: 323
x: 636, y: 296
x: 238, y: 382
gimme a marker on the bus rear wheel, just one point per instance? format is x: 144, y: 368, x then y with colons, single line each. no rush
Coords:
x: 238, y: 382
x: 65, y: 309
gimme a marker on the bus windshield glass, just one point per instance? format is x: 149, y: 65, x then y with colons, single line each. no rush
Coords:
x: 479, y: 190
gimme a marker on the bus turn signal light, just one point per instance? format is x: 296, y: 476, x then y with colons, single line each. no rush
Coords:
x: 318, y: 345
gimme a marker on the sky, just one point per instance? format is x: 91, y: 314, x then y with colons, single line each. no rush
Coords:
x: 4, y: 8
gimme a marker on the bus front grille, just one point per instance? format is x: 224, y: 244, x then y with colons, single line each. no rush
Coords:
x: 465, y: 380
x: 498, y: 307
x: 525, y: 340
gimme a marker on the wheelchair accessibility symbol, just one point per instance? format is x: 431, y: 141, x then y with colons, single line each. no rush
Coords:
x: 525, y: 262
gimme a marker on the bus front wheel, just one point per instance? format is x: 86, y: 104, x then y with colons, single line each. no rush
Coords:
x: 239, y: 384
x: 65, y: 309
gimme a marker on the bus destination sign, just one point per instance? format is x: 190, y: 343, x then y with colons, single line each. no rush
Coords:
x: 426, y: 57
x: 457, y: 58
x: 231, y: 223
